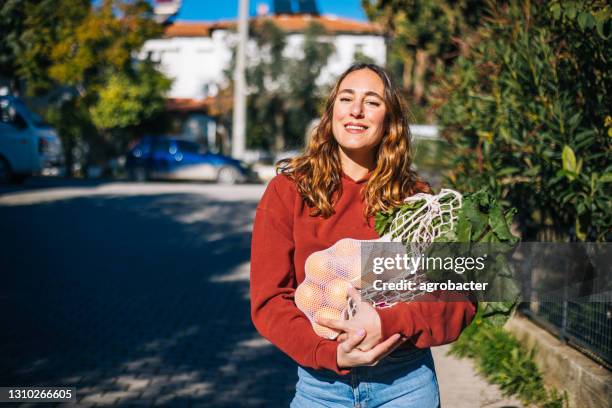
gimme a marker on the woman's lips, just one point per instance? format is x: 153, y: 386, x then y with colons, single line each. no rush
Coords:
x: 354, y: 128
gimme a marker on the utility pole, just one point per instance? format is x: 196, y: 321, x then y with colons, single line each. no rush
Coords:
x: 239, y: 113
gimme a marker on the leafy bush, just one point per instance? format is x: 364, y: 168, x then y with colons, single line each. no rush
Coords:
x: 526, y: 110
x: 503, y: 360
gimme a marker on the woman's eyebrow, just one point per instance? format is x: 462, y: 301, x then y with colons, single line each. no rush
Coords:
x: 369, y: 93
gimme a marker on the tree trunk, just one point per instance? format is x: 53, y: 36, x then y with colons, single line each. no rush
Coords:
x: 419, y: 75
x: 407, y: 72
x: 279, y: 137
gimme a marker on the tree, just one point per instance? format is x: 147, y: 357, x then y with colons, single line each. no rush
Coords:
x: 268, y: 88
x: 30, y: 30
x: 425, y: 37
x: 305, y: 95
x: 70, y: 43
x: 129, y: 100
x: 283, y: 93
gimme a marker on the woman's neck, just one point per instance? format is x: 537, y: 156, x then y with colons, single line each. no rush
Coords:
x: 356, y: 166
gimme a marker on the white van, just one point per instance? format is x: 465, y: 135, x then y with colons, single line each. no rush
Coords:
x: 27, y: 144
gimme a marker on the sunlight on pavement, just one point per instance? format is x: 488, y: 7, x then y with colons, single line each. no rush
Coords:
x: 48, y: 195
x: 157, y: 345
x: 241, y: 273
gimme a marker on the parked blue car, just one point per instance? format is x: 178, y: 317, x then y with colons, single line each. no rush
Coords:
x: 160, y: 157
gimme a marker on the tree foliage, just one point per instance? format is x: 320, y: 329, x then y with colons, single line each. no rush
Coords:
x: 87, y: 51
x: 102, y: 43
x: 283, y: 90
x: 129, y: 100
x: 526, y: 111
x: 425, y: 37
x: 30, y: 31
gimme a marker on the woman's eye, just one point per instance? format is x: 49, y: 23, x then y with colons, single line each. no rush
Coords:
x: 345, y: 99
x: 373, y: 103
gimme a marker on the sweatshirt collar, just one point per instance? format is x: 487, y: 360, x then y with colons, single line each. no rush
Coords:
x: 359, y: 181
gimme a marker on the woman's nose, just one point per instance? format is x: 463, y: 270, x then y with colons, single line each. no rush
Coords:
x: 357, y: 109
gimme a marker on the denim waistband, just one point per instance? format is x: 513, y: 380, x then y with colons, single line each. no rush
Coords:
x: 400, y: 360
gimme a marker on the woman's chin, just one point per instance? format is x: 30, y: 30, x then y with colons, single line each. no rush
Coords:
x: 357, y: 147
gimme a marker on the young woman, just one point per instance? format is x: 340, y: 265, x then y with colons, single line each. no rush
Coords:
x: 356, y: 163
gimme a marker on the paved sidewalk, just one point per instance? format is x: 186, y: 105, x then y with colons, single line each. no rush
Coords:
x: 461, y: 387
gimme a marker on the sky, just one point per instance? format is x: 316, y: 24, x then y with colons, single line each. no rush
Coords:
x: 211, y: 10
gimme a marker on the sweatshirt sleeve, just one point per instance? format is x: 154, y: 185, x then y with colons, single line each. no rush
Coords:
x: 273, y: 283
x: 434, y: 321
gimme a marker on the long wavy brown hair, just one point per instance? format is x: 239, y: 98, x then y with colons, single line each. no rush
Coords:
x: 317, y: 172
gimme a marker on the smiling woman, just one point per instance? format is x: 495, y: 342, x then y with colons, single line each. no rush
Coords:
x: 357, y: 163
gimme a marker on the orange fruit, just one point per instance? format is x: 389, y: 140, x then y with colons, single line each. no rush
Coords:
x: 347, y: 248
x: 319, y: 267
x: 350, y: 269
x: 308, y: 297
x: 326, y: 313
x: 336, y: 293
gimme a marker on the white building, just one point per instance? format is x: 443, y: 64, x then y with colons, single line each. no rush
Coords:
x: 196, y: 54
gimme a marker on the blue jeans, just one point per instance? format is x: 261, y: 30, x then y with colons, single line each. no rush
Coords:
x: 406, y: 378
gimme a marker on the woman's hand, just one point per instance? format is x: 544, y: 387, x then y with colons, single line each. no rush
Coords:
x: 360, y: 340
x: 366, y: 318
x: 348, y: 355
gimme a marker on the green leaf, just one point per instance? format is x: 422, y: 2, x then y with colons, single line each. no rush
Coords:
x: 499, y: 224
x: 599, y: 26
x: 581, y: 235
x: 382, y: 222
x: 508, y: 170
x: 473, y: 204
x: 583, y: 19
x: 464, y: 228
x: 605, y: 178
x: 569, y: 159
x: 556, y: 10
x: 579, y: 166
x: 590, y: 23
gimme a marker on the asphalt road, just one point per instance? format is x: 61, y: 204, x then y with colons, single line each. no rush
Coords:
x: 134, y: 294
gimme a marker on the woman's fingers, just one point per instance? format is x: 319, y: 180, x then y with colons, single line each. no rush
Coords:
x: 350, y: 356
x: 353, y: 340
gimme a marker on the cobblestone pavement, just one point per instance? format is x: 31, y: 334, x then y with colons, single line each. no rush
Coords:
x: 137, y: 295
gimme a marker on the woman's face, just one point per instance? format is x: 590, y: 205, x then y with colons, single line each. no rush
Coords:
x: 359, y: 112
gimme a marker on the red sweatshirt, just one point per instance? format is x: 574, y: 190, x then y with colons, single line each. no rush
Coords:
x: 284, y: 235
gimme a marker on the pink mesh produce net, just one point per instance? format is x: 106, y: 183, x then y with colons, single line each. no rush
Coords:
x: 330, y: 272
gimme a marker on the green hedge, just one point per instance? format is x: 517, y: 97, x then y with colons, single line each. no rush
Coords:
x: 526, y: 109
x: 503, y: 360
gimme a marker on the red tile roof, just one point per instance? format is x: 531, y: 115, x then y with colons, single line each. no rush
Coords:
x: 299, y: 22
x: 212, y: 105
x: 288, y: 22
x: 182, y: 29
x: 188, y: 105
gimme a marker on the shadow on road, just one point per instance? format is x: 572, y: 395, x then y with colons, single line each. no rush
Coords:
x: 135, y: 300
